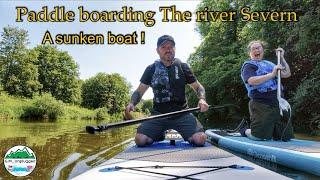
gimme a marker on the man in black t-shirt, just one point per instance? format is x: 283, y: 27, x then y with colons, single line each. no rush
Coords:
x: 168, y: 77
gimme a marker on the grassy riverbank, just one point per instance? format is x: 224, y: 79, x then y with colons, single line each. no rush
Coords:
x: 46, y: 107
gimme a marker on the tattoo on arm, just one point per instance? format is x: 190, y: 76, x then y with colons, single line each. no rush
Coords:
x: 135, y: 98
x: 201, y: 93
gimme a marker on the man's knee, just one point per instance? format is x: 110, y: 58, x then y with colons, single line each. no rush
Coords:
x: 142, y: 140
x: 198, y: 139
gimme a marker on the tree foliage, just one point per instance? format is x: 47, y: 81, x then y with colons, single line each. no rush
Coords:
x: 47, y: 70
x: 19, y: 72
x: 305, y: 42
x: 147, y: 106
x: 217, y: 61
x: 44, y: 107
x: 59, y: 74
x: 106, y: 90
x: 44, y: 69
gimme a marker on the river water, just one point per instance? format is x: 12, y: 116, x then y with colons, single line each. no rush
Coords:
x: 64, y: 150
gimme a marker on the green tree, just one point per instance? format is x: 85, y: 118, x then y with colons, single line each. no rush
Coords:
x: 217, y: 61
x: 106, y: 90
x: 59, y: 74
x: 304, y: 42
x: 19, y: 72
x: 147, y: 106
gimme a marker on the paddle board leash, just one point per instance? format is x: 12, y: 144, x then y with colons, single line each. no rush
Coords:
x: 284, y: 130
x: 241, y: 125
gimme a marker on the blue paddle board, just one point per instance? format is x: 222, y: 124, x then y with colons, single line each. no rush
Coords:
x: 298, y: 154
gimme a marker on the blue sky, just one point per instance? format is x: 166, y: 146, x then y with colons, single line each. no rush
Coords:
x: 127, y: 60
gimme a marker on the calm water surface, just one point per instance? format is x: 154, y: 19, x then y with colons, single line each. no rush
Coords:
x: 64, y: 150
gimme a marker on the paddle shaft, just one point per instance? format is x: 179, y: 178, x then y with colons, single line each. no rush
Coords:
x: 92, y: 129
x: 279, y: 77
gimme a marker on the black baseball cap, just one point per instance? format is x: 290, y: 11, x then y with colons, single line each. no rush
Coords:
x: 165, y: 38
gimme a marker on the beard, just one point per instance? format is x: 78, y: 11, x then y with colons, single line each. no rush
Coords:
x: 168, y: 57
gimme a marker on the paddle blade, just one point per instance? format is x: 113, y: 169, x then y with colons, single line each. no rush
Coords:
x: 284, y: 107
x: 90, y: 129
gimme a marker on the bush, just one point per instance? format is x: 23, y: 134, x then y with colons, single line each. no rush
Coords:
x: 12, y: 107
x: 44, y: 107
x: 75, y: 112
x: 306, y: 105
x: 147, y: 106
x: 102, y: 114
x: 106, y: 90
x: 6, y: 113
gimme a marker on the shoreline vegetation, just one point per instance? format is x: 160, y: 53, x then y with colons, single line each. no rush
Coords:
x: 43, y: 84
x: 47, y: 108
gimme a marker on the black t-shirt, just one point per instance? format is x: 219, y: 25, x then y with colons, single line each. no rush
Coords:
x: 168, y: 106
x: 269, y: 98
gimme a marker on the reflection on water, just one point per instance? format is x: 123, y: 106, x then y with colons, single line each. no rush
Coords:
x: 69, y: 160
x: 59, y: 146
x: 96, y: 159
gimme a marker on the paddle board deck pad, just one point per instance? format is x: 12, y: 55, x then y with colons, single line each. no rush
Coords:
x: 182, y: 161
x: 301, y: 155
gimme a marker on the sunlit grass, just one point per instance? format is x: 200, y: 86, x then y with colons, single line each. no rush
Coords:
x: 45, y: 107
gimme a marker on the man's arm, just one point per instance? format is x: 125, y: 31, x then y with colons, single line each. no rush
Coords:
x: 135, y: 99
x: 199, y: 89
x: 201, y: 93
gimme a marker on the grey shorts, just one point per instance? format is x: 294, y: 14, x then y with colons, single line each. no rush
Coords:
x: 185, y: 124
x: 266, y: 122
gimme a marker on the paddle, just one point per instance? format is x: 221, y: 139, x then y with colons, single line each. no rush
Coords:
x: 283, y: 104
x: 99, y: 128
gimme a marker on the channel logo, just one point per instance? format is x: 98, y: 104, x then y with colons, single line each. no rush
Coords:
x: 20, y: 160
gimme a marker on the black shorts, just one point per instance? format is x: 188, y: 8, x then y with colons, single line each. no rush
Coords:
x: 185, y: 124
